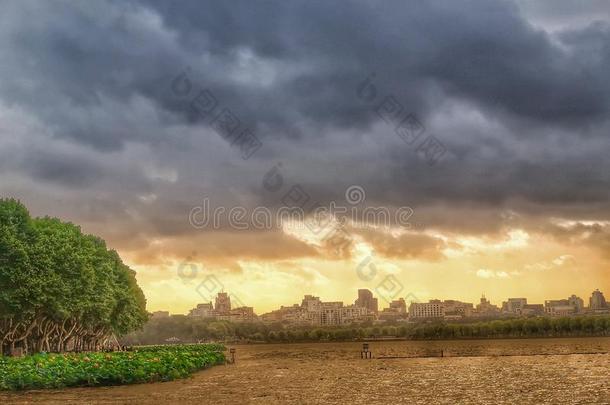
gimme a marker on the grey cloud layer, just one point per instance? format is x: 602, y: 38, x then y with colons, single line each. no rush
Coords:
x: 523, y: 112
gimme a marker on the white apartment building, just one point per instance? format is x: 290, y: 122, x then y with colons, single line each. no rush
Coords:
x: 431, y: 309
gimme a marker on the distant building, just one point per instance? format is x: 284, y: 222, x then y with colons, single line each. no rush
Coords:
x: 203, y: 311
x: 448, y: 309
x: 223, y: 310
x: 223, y: 303
x: 431, y: 309
x: 514, y: 305
x: 456, y: 309
x: 399, y: 306
x: 486, y: 309
x: 531, y: 310
x: 294, y: 314
x: 160, y: 314
x: 241, y: 314
x: 558, y: 308
x: 334, y: 313
x: 366, y: 300
x: 597, y: 301
x: 396, y: 310
x: 572, y: 305
x: 311, y: 303
x: 331, y: 313
x: 353, y: 313
x: 313, y: 311
x: 577, y: 302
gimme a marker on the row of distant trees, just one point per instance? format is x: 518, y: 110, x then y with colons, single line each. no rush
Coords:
x: 61, y: 289
x: 192, y: 329
x: 517, y: 327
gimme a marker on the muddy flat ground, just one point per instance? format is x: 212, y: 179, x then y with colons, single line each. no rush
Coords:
x: 476, y: 372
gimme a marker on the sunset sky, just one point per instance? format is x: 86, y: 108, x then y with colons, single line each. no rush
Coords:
x: 100, y: 125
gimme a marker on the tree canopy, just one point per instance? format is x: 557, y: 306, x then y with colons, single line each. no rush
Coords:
x: 60, y: 288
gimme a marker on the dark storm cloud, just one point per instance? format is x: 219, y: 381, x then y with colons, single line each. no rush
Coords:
x: 480, y: 50
x: 593, y: 235
x: 522, y: 111
x: 315, y: 53
x: 65, y: 170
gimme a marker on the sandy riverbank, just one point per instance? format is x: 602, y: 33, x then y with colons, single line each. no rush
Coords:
x: 326, y: 373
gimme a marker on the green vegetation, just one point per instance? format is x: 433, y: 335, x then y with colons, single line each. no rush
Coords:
x: 148, y: 364
x: 189, y: 329
x: 517, y: 327
x: 60, y: 289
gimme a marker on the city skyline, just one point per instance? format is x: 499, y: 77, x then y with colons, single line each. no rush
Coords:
x: 225, y: 301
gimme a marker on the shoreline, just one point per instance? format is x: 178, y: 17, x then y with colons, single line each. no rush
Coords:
x: 398, y: 339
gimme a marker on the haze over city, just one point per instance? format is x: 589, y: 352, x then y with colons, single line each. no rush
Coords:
x: 103, y: 123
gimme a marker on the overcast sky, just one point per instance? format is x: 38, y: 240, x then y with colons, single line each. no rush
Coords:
x: 103, y: 123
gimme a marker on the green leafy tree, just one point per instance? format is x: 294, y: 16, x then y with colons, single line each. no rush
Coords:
x: 59, y: 288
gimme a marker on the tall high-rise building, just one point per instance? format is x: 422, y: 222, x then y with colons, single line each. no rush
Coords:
x: 366, y: 300
x: 597, y: 300
x: 223, y: 303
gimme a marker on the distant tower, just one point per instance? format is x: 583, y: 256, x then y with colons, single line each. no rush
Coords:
x: 366, y: 300
x: 597, y: 300
x: 223, y: 303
